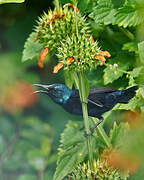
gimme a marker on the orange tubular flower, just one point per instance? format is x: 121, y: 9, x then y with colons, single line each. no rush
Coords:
x: 100, y: 58
x: 58, y: 67
x: 63, y: 15
x: 91, y: 37
x: 55, y: 16
x: 69, y: 60
x: 42, y: 57
x: 105, y: 53
x: 35, y: 39
x: 70, y: 5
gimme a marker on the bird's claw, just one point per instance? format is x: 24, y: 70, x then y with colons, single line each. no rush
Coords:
x: 88, y: 134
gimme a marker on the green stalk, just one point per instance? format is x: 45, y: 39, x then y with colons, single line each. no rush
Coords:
x: 80, y: 85
x: 102, y: 133
x: 56, y: 3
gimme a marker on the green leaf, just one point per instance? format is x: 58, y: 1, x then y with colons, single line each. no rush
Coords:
x: 128, y: 15
x: 133, y: 75
x: 69, y: 81
x: 85, y: 6
x: 103, y: 12
x: 72, y: 151
x: 116, y: 69
x: 130, y: 46
x: 11, y: 1
x: 114, y: 132
x: 31, y: 48
x: 133, y: 104
x: 141, y: 91
x: 72, y: 134
x: 141, y: 51
x: 136, y: 71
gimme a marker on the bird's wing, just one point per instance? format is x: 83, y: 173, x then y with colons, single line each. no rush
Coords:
x: 96, y: 95
x: 101, y: 90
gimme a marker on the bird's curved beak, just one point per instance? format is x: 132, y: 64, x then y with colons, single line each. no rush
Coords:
x: 46, y: 87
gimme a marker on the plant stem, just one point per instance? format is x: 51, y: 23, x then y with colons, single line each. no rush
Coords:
x: 80, y: 85
x: 102, y: 133
x: 76, y: 20
x: 56, y: 2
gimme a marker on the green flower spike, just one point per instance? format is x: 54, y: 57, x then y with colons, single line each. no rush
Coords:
x: 57, y: 25
x: 67, y: 34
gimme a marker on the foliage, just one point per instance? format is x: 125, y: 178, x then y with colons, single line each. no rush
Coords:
x: 11, y: 1
x: 31, y: 48
x: 130, y: 14
x: 73, y: 145
x: 101, y: 171
x: 126, y: 65
x: 72, y: 151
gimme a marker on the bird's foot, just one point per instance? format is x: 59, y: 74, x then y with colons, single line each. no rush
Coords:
x: 86, y: 135
x: 92, y: 129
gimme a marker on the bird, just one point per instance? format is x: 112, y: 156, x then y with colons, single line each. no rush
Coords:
x: 99, y: 101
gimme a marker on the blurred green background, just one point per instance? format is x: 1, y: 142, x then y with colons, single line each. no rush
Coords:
x: 29, y: 137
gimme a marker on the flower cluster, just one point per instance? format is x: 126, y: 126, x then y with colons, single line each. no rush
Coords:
x: 66, y: 33
x: 80, y: 53
x: 100, y: 171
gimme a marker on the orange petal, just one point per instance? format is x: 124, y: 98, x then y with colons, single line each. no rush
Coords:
x: 70, y: 5
x: 105, y: 53
x: 123, y: 162
x: 55, y: 16
x: 58, y: 67
x: 100, y: 58
x: 40, y: 64
x: 77, y: 10
x: 133, y: 118
x: 91, y: 37
x: 69, y: 60
x: 42, y: 57
x: 35, y: 39
x: 63, y: 15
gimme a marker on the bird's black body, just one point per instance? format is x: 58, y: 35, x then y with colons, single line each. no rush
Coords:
x: 107, y: 98
x: 100, y: 100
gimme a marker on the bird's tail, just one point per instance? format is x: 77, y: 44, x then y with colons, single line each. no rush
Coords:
x: 127, y: 94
